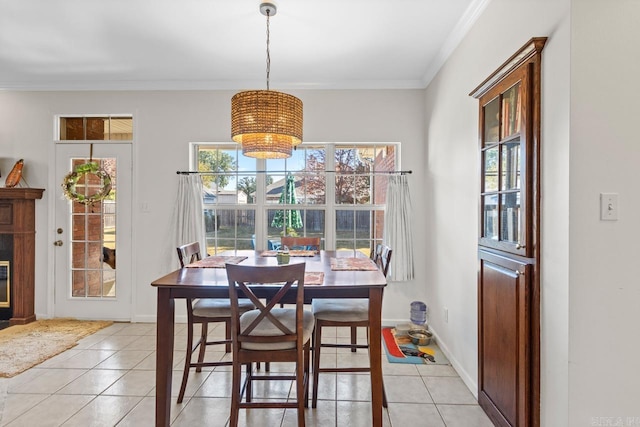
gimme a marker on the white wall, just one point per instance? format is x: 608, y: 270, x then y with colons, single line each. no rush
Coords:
x: 165, y: 122
x: 604, y: 377
x: 451, y: 122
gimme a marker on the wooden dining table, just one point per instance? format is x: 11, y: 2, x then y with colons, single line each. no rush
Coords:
x: 213, y: 283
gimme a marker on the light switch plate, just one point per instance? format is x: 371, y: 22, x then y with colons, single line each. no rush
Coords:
x: 609, y: 206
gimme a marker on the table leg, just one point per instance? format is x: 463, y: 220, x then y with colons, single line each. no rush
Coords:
x: 375, y: 355
x: 164, y: 356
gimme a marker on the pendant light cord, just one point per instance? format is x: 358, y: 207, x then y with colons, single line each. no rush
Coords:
x: 268, y: 54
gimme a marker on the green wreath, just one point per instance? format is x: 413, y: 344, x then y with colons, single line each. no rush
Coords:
x: 71, y: 180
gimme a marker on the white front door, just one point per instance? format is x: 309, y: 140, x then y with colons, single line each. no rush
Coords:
x: 89, y: 283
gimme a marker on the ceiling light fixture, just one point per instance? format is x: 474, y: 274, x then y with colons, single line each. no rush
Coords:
x: 267, y: 123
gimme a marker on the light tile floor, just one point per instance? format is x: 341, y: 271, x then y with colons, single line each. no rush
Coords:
x: 109, y: 380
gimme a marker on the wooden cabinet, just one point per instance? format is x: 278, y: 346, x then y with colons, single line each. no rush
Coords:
x: 509, y: 240
x: 17, y: 246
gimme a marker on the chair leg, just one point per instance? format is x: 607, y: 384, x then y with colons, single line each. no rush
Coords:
x: 354, y: 338
x: 249, y: 382
x: 236, y: 397
x: 307, y: 354
x: 203, y: 344
x: 300, y: 389
x: 187, y: 362
x: 384, y: 396
x: 227, y: 332
x: 316, y: 363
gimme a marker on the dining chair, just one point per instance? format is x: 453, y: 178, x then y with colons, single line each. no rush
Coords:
x: 269, y: 334
x: 204, y: 311
x: 305, y: 243
x: 344, y: 312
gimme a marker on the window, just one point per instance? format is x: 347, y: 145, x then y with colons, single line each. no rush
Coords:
x: 99, y: 128
x: 333, y: 191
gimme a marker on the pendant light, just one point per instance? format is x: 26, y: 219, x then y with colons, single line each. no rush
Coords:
x: 267, y: 123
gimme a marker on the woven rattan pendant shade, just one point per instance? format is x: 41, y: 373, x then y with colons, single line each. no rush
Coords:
x: 267, y: 123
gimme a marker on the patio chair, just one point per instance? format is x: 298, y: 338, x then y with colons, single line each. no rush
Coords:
x: 304, y: 243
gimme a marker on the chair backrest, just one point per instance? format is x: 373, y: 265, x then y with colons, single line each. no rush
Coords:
x: 310, y: 243
x: 189, y: 253
x: 383, y: 259
x: 245, y: 281
x: 376, y: 251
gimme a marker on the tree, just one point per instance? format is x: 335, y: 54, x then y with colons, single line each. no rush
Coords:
x: 248, y: 186
x: 350, y: 189
x: 215, y: 161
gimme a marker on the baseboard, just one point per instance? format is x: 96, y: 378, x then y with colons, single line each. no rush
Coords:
x: 471, y: 383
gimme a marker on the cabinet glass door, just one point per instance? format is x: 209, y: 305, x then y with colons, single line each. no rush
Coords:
x: 503, y: 149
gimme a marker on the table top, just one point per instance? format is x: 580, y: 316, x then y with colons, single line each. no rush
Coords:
x: 198, y: 278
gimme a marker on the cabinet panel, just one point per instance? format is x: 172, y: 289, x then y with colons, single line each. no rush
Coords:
x: 503, y: 329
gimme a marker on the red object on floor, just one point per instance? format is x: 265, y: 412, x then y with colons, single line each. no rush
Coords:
x: 390, y: 342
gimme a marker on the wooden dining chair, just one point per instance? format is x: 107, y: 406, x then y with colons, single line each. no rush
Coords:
x: 344, y: 312
x: 204, y: 311
x: 269, y: 334
x: 304, y: 243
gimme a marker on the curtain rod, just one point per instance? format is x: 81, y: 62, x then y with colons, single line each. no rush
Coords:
x: 407, y: 172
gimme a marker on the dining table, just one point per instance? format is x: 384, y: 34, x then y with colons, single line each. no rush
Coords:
x: 337, y: 281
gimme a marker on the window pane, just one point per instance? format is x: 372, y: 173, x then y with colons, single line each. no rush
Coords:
x: 491, y: 121
x: 314, y: 223
x: 378, y: 226
x: 490, y: 212
x: 345, y: 186
x: 285, y: 190
x: 510, y: 168
x: 121, y: 128
x: 71, y: 128
x: 224, y: 164
x: 511, y: 111
x: 490, y: 169
x: 379, y: 191
x: 510, y: 217
x: 246, y: 189
x: 229, y: 229
x: 346, y: 232
x: 97, y: 128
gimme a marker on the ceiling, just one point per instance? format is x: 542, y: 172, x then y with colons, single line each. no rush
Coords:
x: 221, y: 44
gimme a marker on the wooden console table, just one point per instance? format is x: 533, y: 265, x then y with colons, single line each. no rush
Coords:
x: 17, y: 231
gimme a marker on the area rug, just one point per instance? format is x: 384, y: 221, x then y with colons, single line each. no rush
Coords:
x: 400, y: 349
x: 24, y: 346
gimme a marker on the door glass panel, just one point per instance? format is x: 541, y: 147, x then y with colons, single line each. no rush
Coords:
x: 93, y: 236
x: 510, y: 217
x: 490, y: 215
x: 491, y: 122
x: 490, y: 169
x: 511, y: 111
x: 510, y: 168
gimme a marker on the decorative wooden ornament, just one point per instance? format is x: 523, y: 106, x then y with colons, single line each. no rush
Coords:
x: 15, y: 175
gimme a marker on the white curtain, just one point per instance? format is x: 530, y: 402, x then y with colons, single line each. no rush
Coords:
x: 398, y: 232
x: 189, y: 214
